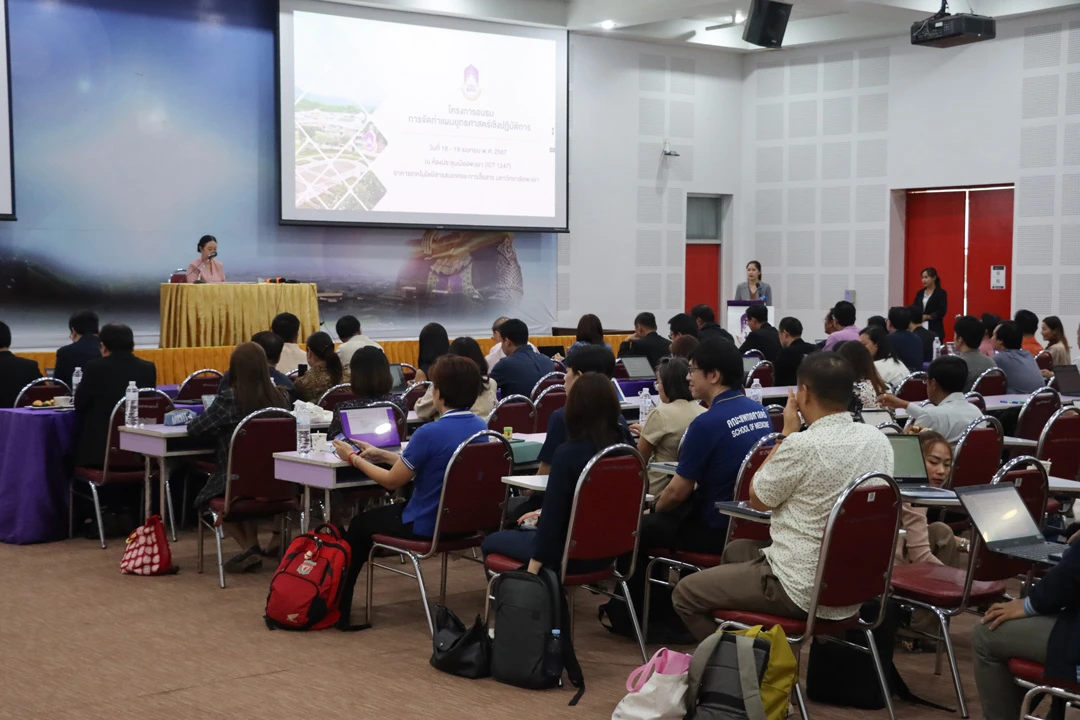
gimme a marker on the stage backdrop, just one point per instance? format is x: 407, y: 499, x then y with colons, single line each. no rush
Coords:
x: 140, y: 127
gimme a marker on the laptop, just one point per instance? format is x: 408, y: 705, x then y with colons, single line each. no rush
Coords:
x: 400, y: 385
x: 876, y: 417
x: 618, y: 390
x: 1005, y: 524
x: 749, y: 362
x: 638, y: 368
x: 376, y: 426
x: 909, y: 467
x: 1068, y: 380
x: 551, y: 350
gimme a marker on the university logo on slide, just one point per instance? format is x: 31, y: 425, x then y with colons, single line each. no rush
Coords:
x: 471, y: 88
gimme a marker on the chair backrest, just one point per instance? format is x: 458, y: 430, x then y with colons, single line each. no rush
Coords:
x: 1053, y: 383
x: 400, y: 417
x: 153, y: 404
x: 473, y: 493
x: 913, y: 388
x: 857, y: 546
x: 178, y: 276
x: 250, y: 469
x: 336, y: 395
x: 776, y: 414
x: 754, y: 353
x: 990, y: 382
x: 550, y: 400
x: 408, y: 372
x: 763, y: 371
x: 978, y: 453
x: 559, y: 366
x: 41, y: 389
x: 552, y: 378
x: 415, y: 392
x: 199, y: 383
x: 1060, y: 443
x: 1044, y: 360
x: 605, y: 518
x: 977, y: 400
x: 745, y: 529
x: 515, y: 411
x: 1037, y: 411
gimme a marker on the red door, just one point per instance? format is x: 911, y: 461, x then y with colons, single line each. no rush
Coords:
x: 703, y: 276
x: 934, y: 237
x: 990, y: 233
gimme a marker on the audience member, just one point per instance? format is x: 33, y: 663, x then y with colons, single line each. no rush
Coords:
x: 352, y: 338
x: 1022, y: 374
x: 868, y: 383
x: 968, y: 331
x: 949, y: 412
x: 371, y: 381
x: 786, y: 366
x: 271, y: 345
x: 324, y: 369
x: 433, y: 344
x: 905, y: 344
x: 15, y: 372
x: 707, y: 327
x: 877, y: 321
x: 645, y: 342
x: 682, y: 325
x: 888, y: 364
x: 1028, y: 322
x: 287, y: 327
x: 762, y: 335
x: 933, y: 543
x: 496, y: 353
x: 485, y: 400
x: 931, y: 304
x: 84, y: 346
x: 103, y: 385
x: 423, y: 462
x: 683, y: 345
x: 1057, y: 341
x: 523, y: 366
x: 924, y: 335
x: 659, y: 438
x: 990, y: 322
x: 754, y: 288
x: 589, y: 332
x: 800, y: 482
x: 844, y: 316
x: 249, y: 390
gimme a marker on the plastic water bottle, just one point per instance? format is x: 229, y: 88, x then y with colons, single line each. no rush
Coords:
x: 755, y: 391
x: 937, y: 347
x: 646, y: 404
x: 553, y: 661
x: 303, y: 432
x: 76, y: 378
x: 131, y: 405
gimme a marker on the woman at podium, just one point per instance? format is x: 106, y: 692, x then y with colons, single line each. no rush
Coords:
x: 754, y: 288
x: 206, y: 269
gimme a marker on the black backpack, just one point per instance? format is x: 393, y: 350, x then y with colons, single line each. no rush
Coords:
x: 526, y: 652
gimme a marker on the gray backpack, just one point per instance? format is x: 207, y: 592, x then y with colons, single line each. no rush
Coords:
x: 725, y: 678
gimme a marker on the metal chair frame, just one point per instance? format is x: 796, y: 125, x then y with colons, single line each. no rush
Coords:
x: 920, y: 375
x: 196, y: 374
x: 989, y: 372
x: 513, y: 399
x: 763, y: 365
x: 40, y: 381
x: 538, y: 388
x: 337, y: 388
x: 1026, y: 407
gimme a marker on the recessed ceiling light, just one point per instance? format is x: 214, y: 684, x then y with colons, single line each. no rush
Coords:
x: 608, y: 25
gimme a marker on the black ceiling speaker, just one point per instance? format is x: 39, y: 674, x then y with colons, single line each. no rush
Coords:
x: 766, y: 23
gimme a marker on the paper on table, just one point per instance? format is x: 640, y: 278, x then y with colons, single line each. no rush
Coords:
x: 531, y: 437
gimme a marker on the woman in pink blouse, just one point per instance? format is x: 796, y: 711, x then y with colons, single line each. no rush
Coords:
x: 207, y: 268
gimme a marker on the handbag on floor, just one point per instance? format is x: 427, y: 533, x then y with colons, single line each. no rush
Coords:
x: 657, y: 689
x: 147, y: 551
x: 461, y: 651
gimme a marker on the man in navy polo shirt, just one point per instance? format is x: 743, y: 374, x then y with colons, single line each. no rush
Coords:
x: 522, y: 368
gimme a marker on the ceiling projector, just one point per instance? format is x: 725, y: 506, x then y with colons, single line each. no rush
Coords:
x: 945, y: 30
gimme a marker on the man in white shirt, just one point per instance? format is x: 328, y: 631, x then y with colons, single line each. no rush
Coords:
x: 287, y: 327
x: 950, y: 413
x: 352, y: 338
x: 800, y: 482
x: 496, y: 353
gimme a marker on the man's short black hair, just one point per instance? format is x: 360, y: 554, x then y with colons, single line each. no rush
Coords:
x: 5, y: 335
x: 791, y: 326
x: 829, y: 377
x: 347, y: 326
x: 286, y: 326
x: 899, y: 318
x: 844, y: 312
x: 970, y: 329
x: 271, y: 344
x: 84, y: 322
x: 950, y: 372
x: 704, y: 313
x: 591, y: 358
x: 1027, y: 321
x: 516, y: 331
x: 646, y: 320
x: 758, y: 312
x: 117, y: 337
x: 878, y: 321
x: 990, y: 322
x: 715, y: 354
x: 1010, y: 336
x: 682, y: 324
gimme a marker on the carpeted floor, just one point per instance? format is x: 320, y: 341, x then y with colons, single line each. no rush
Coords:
x: 78, y: 640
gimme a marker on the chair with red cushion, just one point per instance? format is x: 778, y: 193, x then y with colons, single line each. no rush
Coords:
x: 415, y: 392
x: 1030, y: 675
x: 1036, y: 412
x: 550, y: 400
x: 1053, y: 383
x: 178, y: 276
x: 42, y: 389
x: 470, y: 506
x: 549, y: 380
x: 605, y: 523
x: 854, y: 566
x: 754, y: 353
x: 515, y: 411
x: 763, y: 372
x: 978, y: 453
x: 977, y: 400
x: 1059, y: 443
x: 335, y: 396
x: 776, y: 415
x: 990, y: 382
x: 251, y: 490
x: 199, y: 383
x: 121, y: 466
x: 913, y: 388
x: 1044, y: 360
x: 408, y: 372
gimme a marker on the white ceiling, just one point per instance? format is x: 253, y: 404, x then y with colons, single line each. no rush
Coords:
x: 684, y: 21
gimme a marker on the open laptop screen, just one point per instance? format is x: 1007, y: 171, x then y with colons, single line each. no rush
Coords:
x: 398, y: 377
x: 618, y: 390
x: 999, y: 513
x: 637, y: 367
x: 908, y: 464
x: 377, y: 426
x: 1068, y: 379
x: 749, y: 362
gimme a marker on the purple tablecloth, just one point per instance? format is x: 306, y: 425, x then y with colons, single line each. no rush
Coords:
x: 170, y: 390
x: 35, y: 449
x: 631, y: 388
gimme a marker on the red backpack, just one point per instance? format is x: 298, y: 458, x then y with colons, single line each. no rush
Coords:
x: 306, y: 589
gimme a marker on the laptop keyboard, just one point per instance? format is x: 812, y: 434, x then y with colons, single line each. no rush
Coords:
x: 1031, y: 552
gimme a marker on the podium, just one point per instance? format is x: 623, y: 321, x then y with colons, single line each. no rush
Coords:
x: 736, y: 318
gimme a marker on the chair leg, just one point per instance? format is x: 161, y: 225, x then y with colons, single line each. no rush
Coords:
x: 219, y: 535
x: 800, y: 697
x: 634, y: 620
x: 648, y: 598
x: 423, y: 593
x: 184, y: 502
x: 284, y: 539
x: 71, y: 509
x: 97, y: 513
x: 442, y: 580
x: 370, y: 589
x: 199, y: 544
x: 487, y: 596
x: 944, y: 622
x: 169, y: 507
x: 882, y: 680
x: 570, y: 597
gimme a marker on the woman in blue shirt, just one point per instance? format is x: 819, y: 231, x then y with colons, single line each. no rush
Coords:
x: 457, y: 382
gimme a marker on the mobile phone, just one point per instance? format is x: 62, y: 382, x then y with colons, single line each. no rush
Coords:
x: 301, y: 369
x: 347, y: 441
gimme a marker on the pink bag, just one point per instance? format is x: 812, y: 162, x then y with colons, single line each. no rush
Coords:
x: 657, y: 689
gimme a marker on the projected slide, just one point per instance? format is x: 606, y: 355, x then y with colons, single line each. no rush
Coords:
x: 388, y: 121
x: 7, y: 171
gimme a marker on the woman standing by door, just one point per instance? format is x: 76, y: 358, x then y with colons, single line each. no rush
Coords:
x: 932, y: 303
